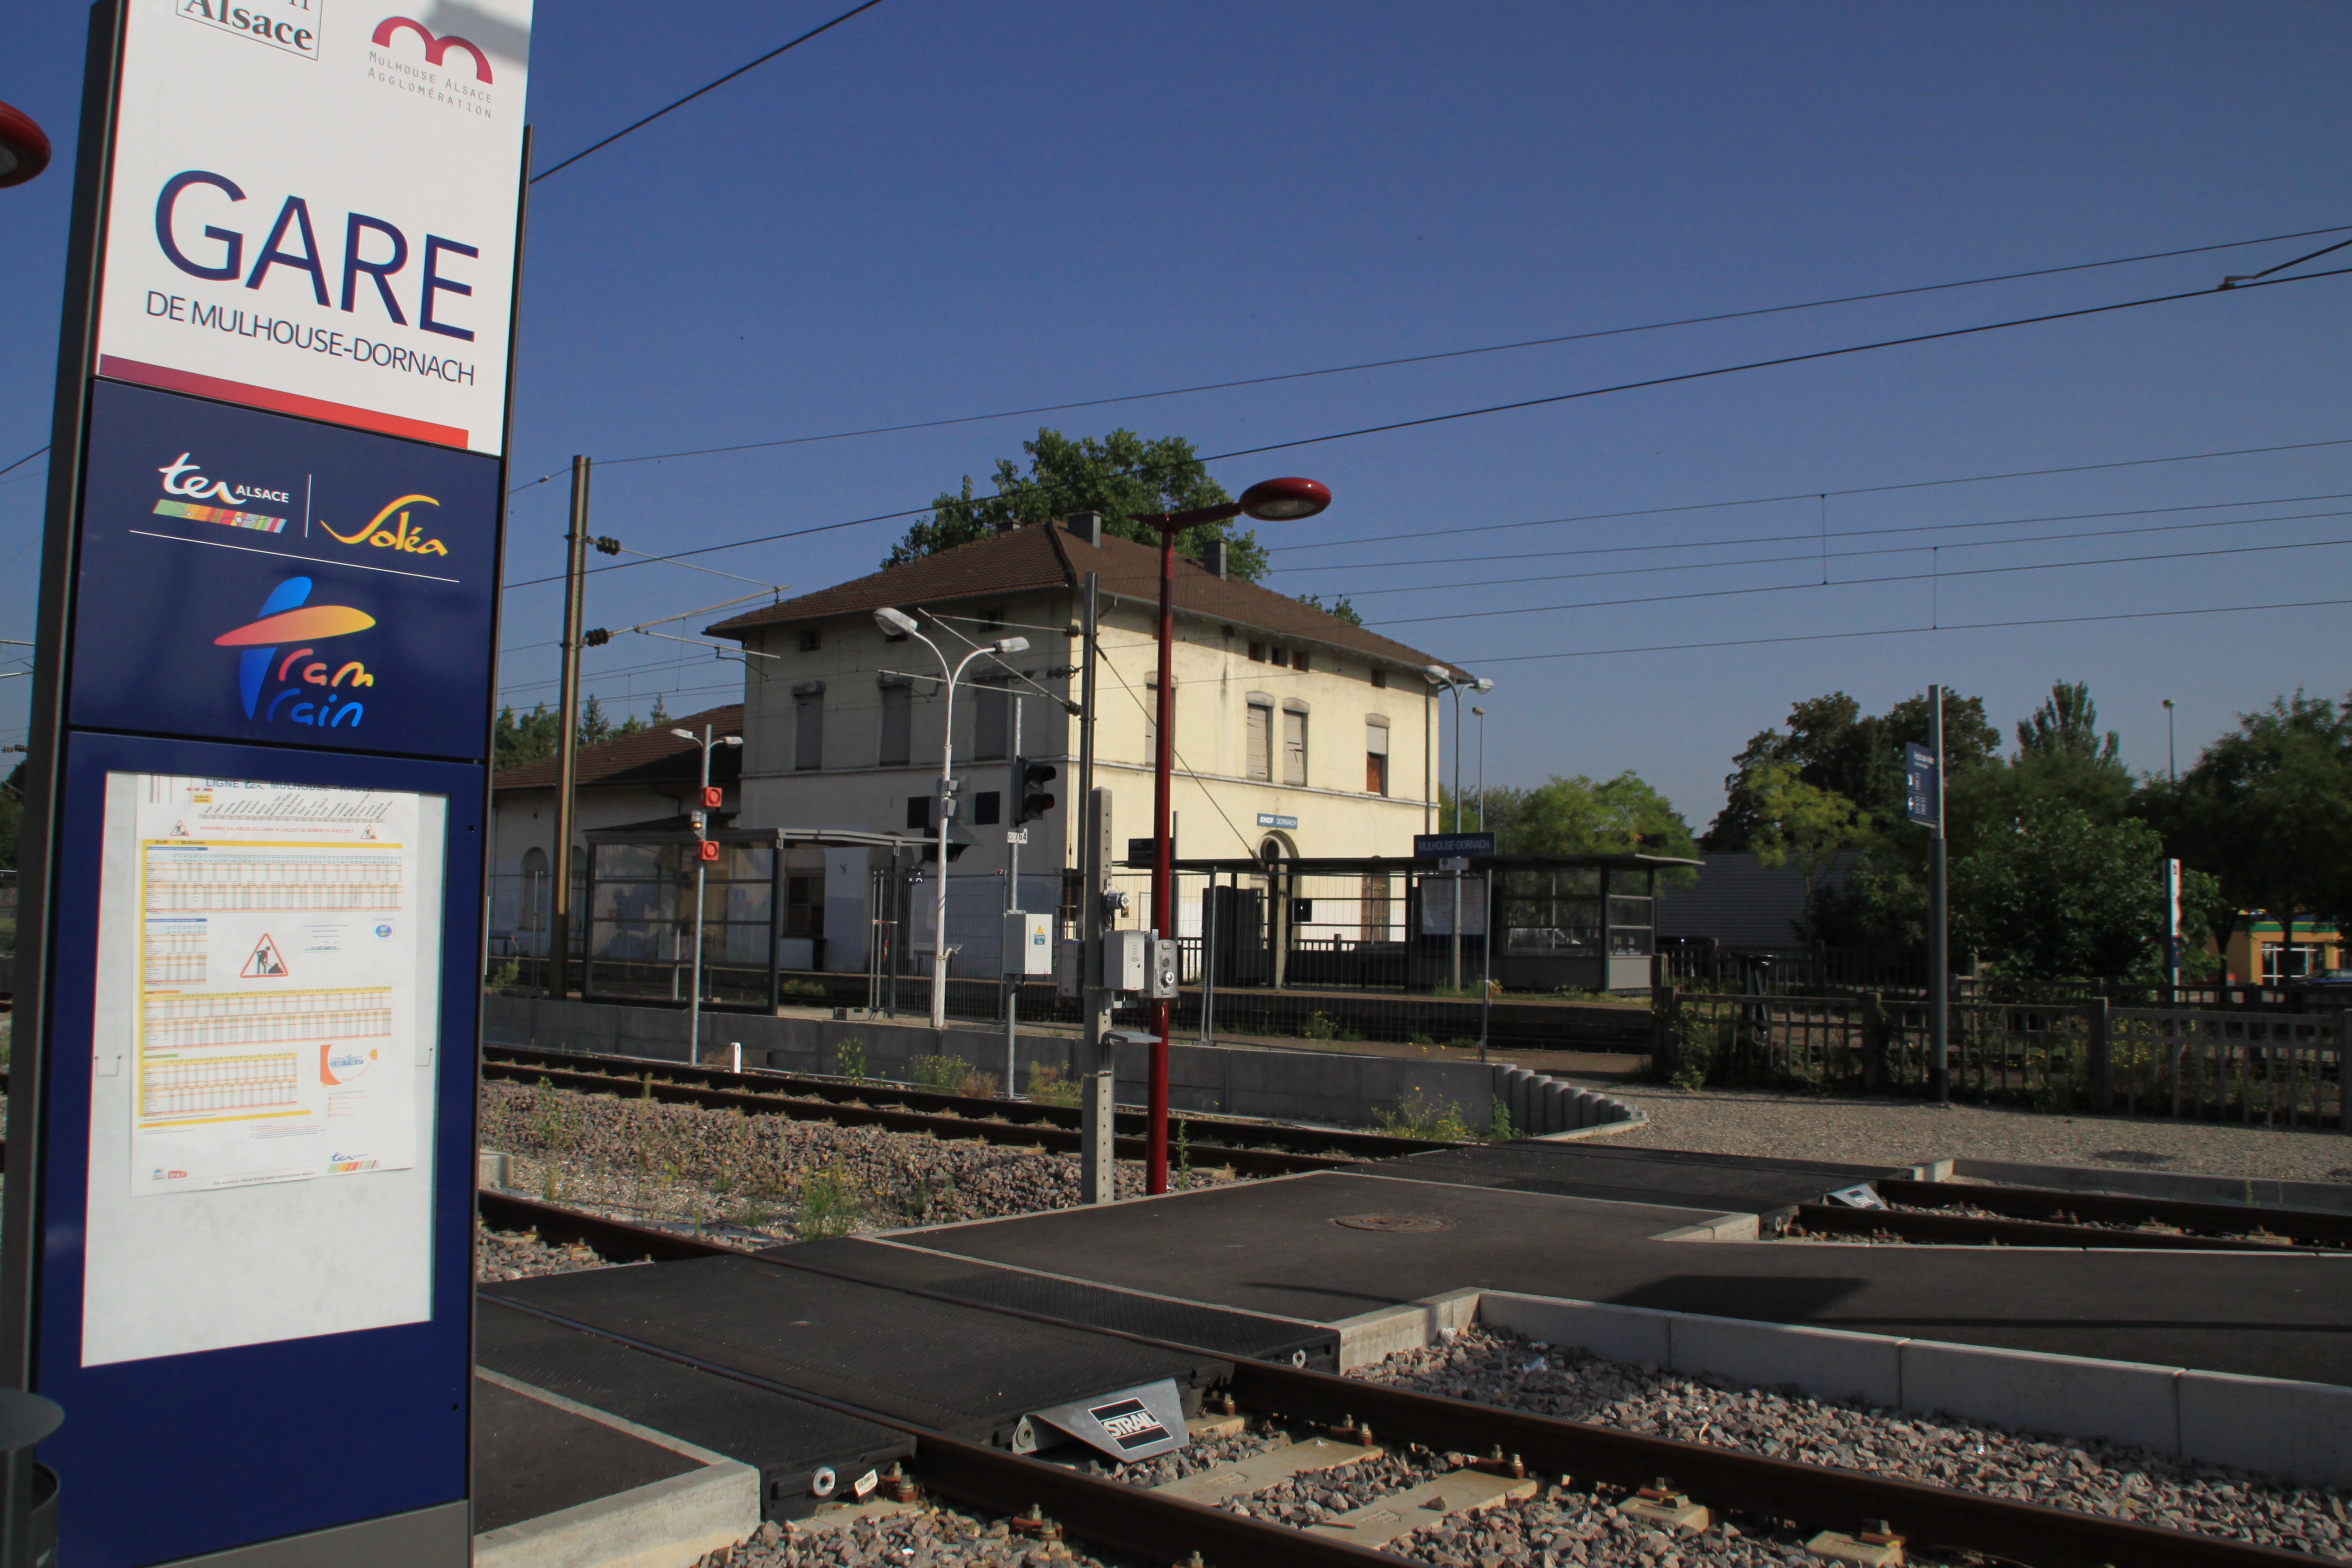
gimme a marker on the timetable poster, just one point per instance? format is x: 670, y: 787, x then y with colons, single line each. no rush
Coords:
x: 276, y: 1017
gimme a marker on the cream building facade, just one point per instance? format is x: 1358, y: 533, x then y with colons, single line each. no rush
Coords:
x: 1297, y: 733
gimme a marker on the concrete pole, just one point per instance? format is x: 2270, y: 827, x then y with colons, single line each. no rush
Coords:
x: 1939, y: 955
x: 559, y: 919
x: 701, y: 884
x: 1011, y: 814
x: 1097, y: 1068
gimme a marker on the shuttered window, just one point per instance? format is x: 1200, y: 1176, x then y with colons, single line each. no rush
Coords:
x: 1294, y: 747
x: 992, y: 723
x: 808, y: 729
x: 1376, y: 756
x: 1261, y: 741
x: 898, y: 725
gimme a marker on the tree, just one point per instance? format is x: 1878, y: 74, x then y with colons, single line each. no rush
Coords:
x: 2268, y: 811
x: 1834, y: 746
x: 519, y: 740
x: 1120, y: 476
x: 2061, y: 895
x: 1576, y: 816
x: 1339, y: 608
x: 2062, y: 756
x: 1799, y: 823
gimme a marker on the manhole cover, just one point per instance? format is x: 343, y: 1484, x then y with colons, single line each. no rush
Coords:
x: 1393, y: 1222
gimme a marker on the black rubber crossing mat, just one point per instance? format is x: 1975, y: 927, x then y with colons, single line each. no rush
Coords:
x: 1675, y: 1178
x: 1220, y: 1330
x: 789, y: 1441
x: 959, y: 1369
x: 532, y: 1458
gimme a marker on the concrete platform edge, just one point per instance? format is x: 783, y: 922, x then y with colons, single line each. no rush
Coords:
x: 2275, y: 1427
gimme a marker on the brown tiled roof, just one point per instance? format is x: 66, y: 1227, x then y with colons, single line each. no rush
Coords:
x: 1051, y: 556
x: 650, y: 758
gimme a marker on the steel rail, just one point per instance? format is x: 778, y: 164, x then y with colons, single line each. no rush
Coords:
x: 1751, y: 1483
x: 618, y: 1240
x: 2037, y: 1203
x: 1128, y: 1518
x: 1325, y: 1140
x: 1970, y: 1230
x: 1066, y: 1140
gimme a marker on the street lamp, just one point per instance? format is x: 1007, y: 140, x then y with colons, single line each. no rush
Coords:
x: 897, y: 623
x: 24, y: 146
x: 1269, y: 501
x: 1480, y: 715
x: 1439, y: 675
x: 702, y: 804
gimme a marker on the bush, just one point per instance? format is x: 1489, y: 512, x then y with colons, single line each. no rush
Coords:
x: 849, y: 1060
x: 1047, y: 1086
x: 803, y: 988
x: 506, y: 974
x: 1415, y: 1117
x: 829, y: 1205
x: 946, y: 1074
x: 977, y: 1086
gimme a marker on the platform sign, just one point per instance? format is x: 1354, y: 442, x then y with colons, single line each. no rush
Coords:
x: 1448, y: 846
x: 1922, y: 788
x: 240, y: 1139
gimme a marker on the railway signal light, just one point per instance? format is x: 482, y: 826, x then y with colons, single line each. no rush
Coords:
x: 712, y: 797
x: 1033, y: 800
x: 706, y: 849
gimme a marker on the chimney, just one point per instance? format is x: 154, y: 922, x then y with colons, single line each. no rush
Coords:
x: 1087, y: 526
x: 1213, y: 557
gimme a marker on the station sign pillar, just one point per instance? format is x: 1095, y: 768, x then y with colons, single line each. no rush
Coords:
x: 238, y: 1244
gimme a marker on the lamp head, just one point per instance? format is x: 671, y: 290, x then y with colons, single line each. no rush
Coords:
x: 1012, y: 645
x: 1485, y: 683
x: 894, y: 623
x: 1284, y: 500
x: 1478, y: 713
x: 1437, y: 675
x: 730, y: 740
x: 686, y: 735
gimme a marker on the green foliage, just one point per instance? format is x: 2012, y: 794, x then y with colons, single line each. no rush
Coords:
x: 1798, y: 824
x: 1834, y: 746
x: 519, y: 739
x: 506, y: 974
x: 1416, y: 1117
x: 1576, y: 816
x: 943, y: 1073
x: 829, y: 1205
x: 1120, y: 476
x: 2060, y: 895
x: 1498, y: 1126
x: 849, y: 1060
x: 11, y: 815
x: 803, y: 988
x: 1183, y: 1155
x: 1340, y: 607
x: 1047, y: 1086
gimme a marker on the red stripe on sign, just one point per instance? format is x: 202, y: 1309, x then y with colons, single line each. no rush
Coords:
x: 278, y: 402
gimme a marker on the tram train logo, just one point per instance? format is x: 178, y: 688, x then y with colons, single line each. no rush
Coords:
x: 1129, y: 1424
x: 339, y: 1064
x: 305, y: 692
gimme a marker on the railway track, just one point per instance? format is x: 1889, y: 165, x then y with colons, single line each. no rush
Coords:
x: 1928, y: 1228
x: 1772, y: 1494
x: 1251, y: 1149
x: 2112, y: 1211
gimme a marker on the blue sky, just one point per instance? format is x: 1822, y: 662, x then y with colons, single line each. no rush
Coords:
x: 944, y: 209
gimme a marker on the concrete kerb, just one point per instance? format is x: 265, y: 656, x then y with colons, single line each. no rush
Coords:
x: 2275, y: 1427
x: 662, y: 1524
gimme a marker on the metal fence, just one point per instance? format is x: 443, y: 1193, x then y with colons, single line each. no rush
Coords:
x: 2273, y: 1068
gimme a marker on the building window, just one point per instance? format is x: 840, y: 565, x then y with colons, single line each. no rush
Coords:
x: 1380, y: 675
x: 1294, y: 746
x: 2281, y: 964
x: 985, y: 808
x: 1151, y: 718
x: 919, y: 813
x: 1257, y: 652
x: 1298, y: 661
x: 1260, y: 762
x: 1375, y: 910
x: 898, y: 725
x: 804, y: 906
x: 1282, y: 656
x: 1376, y: 755
x: 537, y: 894
x: 992, y: 722
x: 808, y: 729
x: 811, y: 640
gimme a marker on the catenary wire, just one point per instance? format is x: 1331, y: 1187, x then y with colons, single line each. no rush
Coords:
x: 1861, y: 582
x: 706, y: 87
x: 1517, y: 404
x: 28, y: 457
x: 1845, y: 533
x: 1457, y: 353
x: 1810, y: 556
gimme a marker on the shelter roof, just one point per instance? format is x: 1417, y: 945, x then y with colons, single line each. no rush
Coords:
x: 648, y: 758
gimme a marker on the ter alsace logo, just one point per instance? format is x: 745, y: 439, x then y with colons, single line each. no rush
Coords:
x: 298, y: 687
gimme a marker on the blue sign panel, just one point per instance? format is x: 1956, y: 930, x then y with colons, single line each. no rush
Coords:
x: 1449, y: 846
x: 1268, y: 819
x: 1922, y: 788
x: 247, y: 576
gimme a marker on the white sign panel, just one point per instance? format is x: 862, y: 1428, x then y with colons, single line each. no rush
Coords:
x: 261, y: 1068
x: 341, y: 246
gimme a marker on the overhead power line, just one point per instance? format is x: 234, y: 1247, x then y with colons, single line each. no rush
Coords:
x: 1911, y: 631
x: 28, y: 457
x: 708, y: 86
x: 1525, y: 403
x: 1860, y: 582
x: 1464, y: 353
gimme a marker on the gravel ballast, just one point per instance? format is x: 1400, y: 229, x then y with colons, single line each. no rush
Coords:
x: 1498, y: 1368
x: 1913, y: 1132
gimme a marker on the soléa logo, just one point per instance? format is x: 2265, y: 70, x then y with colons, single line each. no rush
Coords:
x: 299, y: 688
x: 184, y: 478
x: 405, y: 537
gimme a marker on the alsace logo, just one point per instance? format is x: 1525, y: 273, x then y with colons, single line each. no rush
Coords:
x: 176, y: 481
x: 436, y: 48
x: 290, y: 25
x: 316, y: 696
x: 1129, y: 1424
x: 404, y: 538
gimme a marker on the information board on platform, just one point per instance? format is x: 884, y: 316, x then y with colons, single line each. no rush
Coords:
x: 314, y: 210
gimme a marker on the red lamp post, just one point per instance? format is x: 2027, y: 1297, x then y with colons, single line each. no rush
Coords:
x: 1269, y: 501
x: 24, y: 147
